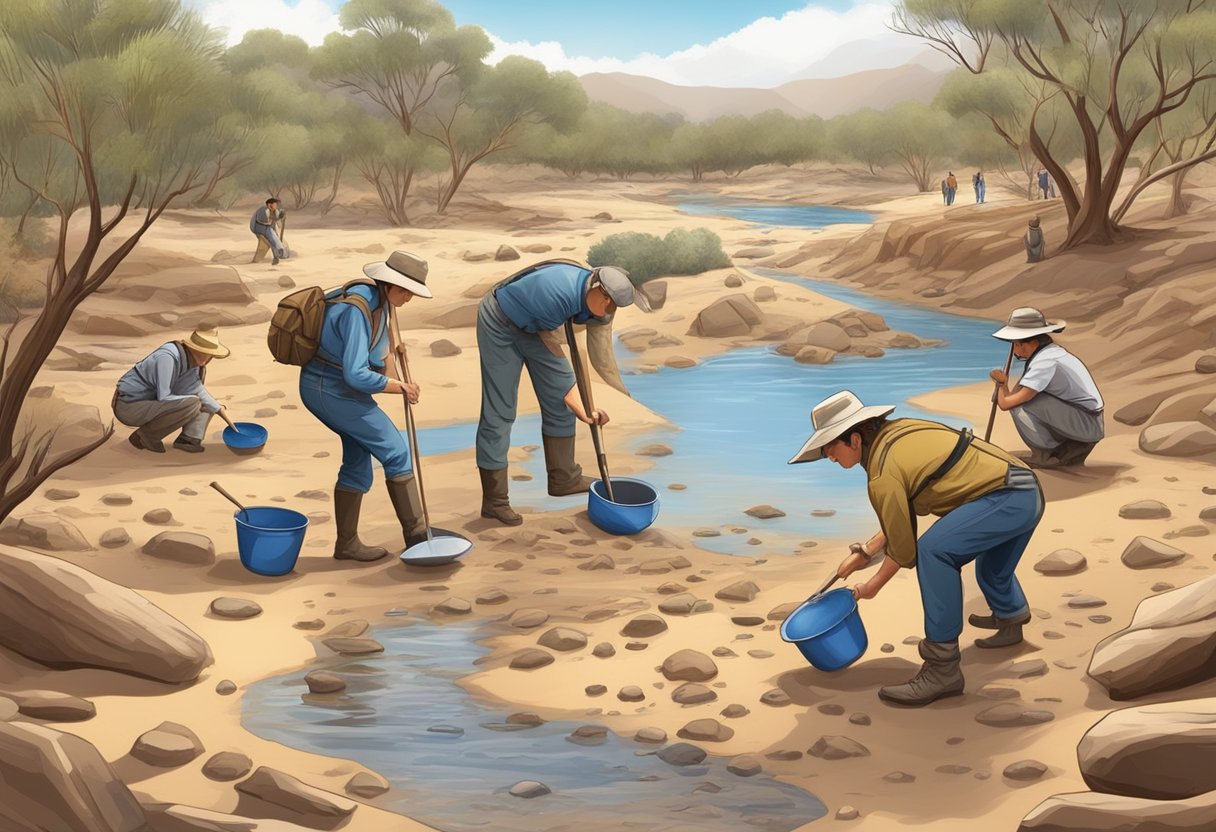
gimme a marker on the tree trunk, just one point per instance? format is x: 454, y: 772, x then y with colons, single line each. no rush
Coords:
x: 1177, y: 206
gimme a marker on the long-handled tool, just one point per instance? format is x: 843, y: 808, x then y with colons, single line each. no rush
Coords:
x: 995, y: 389
x: 224, y: 415
x: 584, y: 391
x: 873, y: 559
x: 234, y: 500
x: 448, y: 546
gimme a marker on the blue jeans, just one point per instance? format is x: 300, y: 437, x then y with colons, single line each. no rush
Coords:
x: 365, y: 429
x: 272, y: 237
x: 993, y: 531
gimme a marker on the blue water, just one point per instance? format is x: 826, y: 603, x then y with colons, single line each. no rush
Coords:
x: 458, y: 782
x: 776, y: 215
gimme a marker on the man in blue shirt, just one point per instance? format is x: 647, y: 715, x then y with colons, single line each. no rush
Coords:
x: 165, y: 392
x: 519, y: 325
x: 262, y: 224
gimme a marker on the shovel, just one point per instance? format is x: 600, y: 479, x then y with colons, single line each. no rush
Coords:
x: 449, y: 546
x: 874, y: 558
x: 584, y: 390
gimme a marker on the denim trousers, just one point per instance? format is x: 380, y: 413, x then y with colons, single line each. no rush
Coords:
x: 993, y: 531
x: 366, y: 431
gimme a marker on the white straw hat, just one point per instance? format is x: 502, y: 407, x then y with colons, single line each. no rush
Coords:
x: 831, y: 418
x: 1027, y: 322
x: 207, y: 341
x: 401, y: 269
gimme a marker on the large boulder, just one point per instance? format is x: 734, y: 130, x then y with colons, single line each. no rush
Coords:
x: 727, y: 317
x: 1170, y: 643
x: 175, y: 817
x: 308, y: 805
x: 827, y: 334
x: 1181, y: 407
x: 1178, y: 439
x: 49, y: 532
x: 1090, y: 812
x: 63, y: 616
x: 50, y: 780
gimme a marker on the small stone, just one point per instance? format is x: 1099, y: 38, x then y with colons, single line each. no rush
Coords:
x: 309, y: 624
x: 226, y: 687
x: 1144, y: 552
x: 349, y: 629
x: 747, y: 620
x: 837, y: 748
x: 524, y: 718
x: 991, y: 691
x: 951, y: 768
x: 692, y: 693
x: 1081, y: 602
x: 1145, y: 510
x: 899, y: 777
x: 588, y: 735
x: 707, y: 532
x: 53, y: 706
x: 531, y: 659
x: 782, y: 612
x: 744, y: 766
x: 775, y: 697
x: 227, y: 766
x: 734, y: 711
x: 636, y: 646
x: 1025, y: 770
x: 159, y: 517
x: 652, y: 736
x: 353, y: 646
x: 631, y: 693
x: 443, y: 348
x: 860, y: 719
x: 447, y: 730
x: 644, y: 626
x: 527, y: 619
x: 785, y: 755
x: 234, y: 608
x: 1162, y: 586
x: 847, y: 813
x: 529, y: 789
x: 1061, y: 562
x: 322, y: 681
x: 61, y: 494
x: 1007, y: 715
x: 681, y: 754
x: 831, y: 709
x: 367, y: 785
x: 491, y: 597
x: 760, y: 654
x: 167, y: 746
x: 887, y: 647
x: 113, y: 538
x: 739, y: 592
x: 764, y: 512
x: 724, y: 653
x: 595, y: 690
x: 116, y: 499
x: 603, y: 650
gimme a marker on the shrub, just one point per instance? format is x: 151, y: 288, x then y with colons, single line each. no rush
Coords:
x: 646, y: 256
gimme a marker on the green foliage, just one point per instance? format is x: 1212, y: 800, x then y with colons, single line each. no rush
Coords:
x: 646, y: 256
x: 261, y: 48
x: 860, y: 136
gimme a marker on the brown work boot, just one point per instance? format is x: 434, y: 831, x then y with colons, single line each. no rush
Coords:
x: 565, y: 475
x: 939, y: 676
x: 146, y: 443
x: 1073, y: 452
x: 403, y: 491
x: 1008, y: 630
x: 495, y: 504
x: 346, y: 516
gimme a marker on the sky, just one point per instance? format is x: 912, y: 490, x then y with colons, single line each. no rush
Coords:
x: 758, y: 43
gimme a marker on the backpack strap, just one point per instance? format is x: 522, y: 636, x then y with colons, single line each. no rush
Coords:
x: 375, y: 320
x: 964, y: 440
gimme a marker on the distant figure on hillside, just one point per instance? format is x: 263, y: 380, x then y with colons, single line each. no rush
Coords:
x: 1056, y: 406
x: 1045, y: 183
x: 980, y: 186
x: 1034, y: 242
x: 951, y: 188
x: 944, y: 197
x: 262, y: 224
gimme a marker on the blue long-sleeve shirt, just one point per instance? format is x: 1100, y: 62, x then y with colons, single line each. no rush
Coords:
x: 165, y: 375
x: 547, y: 297
x: 261, y: 222
x: 346, y: 340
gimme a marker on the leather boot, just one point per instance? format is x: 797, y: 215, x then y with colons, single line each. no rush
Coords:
x: 346, y: 516
x: 1008, y: 630
x: 495, y: 504
x: 565, y: 475
x: 939, y: 676
x: 403, y: 491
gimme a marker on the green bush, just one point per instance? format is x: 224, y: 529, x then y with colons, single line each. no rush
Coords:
x: 646, y: 256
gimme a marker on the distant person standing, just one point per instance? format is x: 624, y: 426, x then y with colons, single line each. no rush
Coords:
x: 263, y: 224
x: 1034, y: 242
x: 945, y: 200
x: 951, y: 188
x: 980, y: 186
x: 1044, y: 182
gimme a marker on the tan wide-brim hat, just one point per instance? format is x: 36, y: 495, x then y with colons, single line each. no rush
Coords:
x: 831, y: 418
x: 401, y: 269
x: 1027, y: 322
x: 207, y: 341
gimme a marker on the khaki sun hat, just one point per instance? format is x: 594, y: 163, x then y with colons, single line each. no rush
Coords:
x: 1027, y: 322
x: 831, y: 418
x: 207, y: 341
x: 619, y: 287
x: 401, y: 269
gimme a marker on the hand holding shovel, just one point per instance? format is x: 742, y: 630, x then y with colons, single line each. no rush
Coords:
x: 223, y: 414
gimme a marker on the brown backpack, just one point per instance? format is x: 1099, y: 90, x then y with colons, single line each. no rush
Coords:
x: 295, y: 328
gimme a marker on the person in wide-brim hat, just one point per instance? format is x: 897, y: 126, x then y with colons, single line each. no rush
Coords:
x: 1056, y: 405
x: 164, y: 392
x: 989, y: 504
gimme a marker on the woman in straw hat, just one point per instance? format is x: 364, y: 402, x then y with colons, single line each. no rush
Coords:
x: 989, y: 504
x: 352, y: 364
x: 164, y: 392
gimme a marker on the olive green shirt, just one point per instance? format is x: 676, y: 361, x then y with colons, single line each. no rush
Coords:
x: 903, y: 455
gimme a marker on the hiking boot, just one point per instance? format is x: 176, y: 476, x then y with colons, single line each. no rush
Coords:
x: 992, y: 622
x: 1008, y: 630
x: 275, y: 260
x: 348, y: 546
x: 1072, y: 452
x: 939, y: 676
x: 565, y: 475
x: 145, y: 443
x: 403, y: 491
x: 189, y: 444
x: 495, y: 504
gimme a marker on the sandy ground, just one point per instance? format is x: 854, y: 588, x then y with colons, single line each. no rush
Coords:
x: 1081, y: 514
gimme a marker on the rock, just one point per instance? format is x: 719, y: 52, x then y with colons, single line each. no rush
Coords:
x: 1144, y: 553
x: 443, y: 348
x: 1061, y: 562
x: 732, y: 281
x: 831, y: 709
x: 899, y: 777
x: 764, y: 294
x: 1208, y: 514
x: 1186, y: 439
x: 182, y: 547
x: 764, y: 512
x: 631, y: 693
x: 492, y: 596
x: 691, y: 693
x: 644, y: 626
x: 225, y: 687
x: 814, y: 355
x: 603, y: 216
x: 837, y: 748
x: 61, y: 494
x: 529, y: 789
x: 1026, y: 669
x: 735, y: 711
x: 847, y: 813
x: 1187, y: 531
x: 860, y: 719
x: 1009, y: 715
x: 367, y: 784
x: 652, y: 736
x: 680, y: 362
x: 783, y: 611
x: 237, y: 608
x: 50, y: 780
x: 991, y: 691
x: 776, y: 697
x: 310, y: 806
x: 506, y: 252
x: 827, y: 335
x: 322, y: 681
x: 656, y: 292
x: 43, y: 531
x: 1091, y: 812
x: 531, y: 659
x: 63, y: 616
x: 1081, y: 602
x: 158, y: 517
x: 741, y: 591
x: 730, y: 316
x: 744, y: 766
x: 116, y: 499
x: 1145, y: 510
x: 227, y: 765
x: 113, y: 538
x: 689, y: 666
x: 53, y: 706
x: 681, y: 754
x: 603, y: 650
x: 536, y: 248
x: 1205, y: 364
x: 309, y: 624
x: 598, y: 563
x: 167, y: 746
x: 563, y: 639
x: 655, y: 449
x: 1025, y: 770
x: 751, y: 253
x: 476, y: 257
x: 706, y: 730
x: 353, y: 646
x: 682, y: 604
x: 453, y: 606
x: 349, y: 629
x: 528, y: 618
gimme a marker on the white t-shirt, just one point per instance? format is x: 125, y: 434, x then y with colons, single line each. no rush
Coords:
x: 1057, y: 372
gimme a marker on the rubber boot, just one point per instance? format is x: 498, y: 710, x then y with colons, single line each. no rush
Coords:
x: 403, y: 491
x: 495, y: 504
x: 346, y: 516
x: 939, y: 676
x: 565, y: 475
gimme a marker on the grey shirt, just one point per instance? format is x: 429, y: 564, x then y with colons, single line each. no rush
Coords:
x: 261, y: 221
x: 165, y: 375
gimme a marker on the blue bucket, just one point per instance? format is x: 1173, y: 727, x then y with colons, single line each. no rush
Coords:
x: 250, y: 440
x: 636, y: 506
x: 269, y: 538
x: 827, y: 630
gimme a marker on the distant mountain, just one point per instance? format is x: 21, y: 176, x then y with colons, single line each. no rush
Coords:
x: 825, y: 97
x: 873, y: 53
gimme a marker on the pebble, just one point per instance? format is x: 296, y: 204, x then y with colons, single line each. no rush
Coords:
x: 677, y: 486
x: 603, y: 650
x: 847, y: 813
x: 887, y: 647
x: 652, y: 736
x: 951, y: 768
x: 744, y: 766
x: 322, y: 681
x: 354, y: 646
x: 899, y: 777
x: 529, y: 789
x: 682, y: 754
x: 860, y: 719
x: 234, y: 608
x: 831, y: 709
x: 159, y: 517
x: 631, y: 693
x: 227, y: 766
x: 116, y: 499
x: 734, y: 711
x: 450, y: 730
x: 1025, y: 770
x: 785, y: 755
x: 747, y: 620
x: 226, y: 687
x: 527, y: 619
x: 309, y: 624
x: 1008, y: 715
x: 60, y: 494
x: 776, y: 697
x: 595, y: 690
x: 531, y: 659
x: 113, y: 538
x: 1085, y: 601
x: 366, y: 784
x: 1100, y: 619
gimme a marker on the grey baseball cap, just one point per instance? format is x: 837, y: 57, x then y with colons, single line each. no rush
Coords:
x: 619, y: 287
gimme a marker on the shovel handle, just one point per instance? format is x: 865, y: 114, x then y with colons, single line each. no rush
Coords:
x: 584, y: 390
x: 234, y: 500
x: 224, y: 415
x: 403, y: 364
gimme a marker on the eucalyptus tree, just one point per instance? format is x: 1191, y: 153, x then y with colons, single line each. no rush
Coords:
x: 860, y: 136
x: 921, y: 140
x: 104, y: 106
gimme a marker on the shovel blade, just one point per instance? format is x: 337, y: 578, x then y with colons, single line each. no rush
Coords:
x: 436, y: 551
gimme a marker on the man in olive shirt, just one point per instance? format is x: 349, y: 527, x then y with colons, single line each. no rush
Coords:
x: 989, y: 504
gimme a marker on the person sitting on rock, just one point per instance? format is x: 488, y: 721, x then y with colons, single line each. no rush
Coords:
x: 988, y: 502
x: 1056, y: 406
x: 164, y: 392
x: 519, y: 324
x: 263, y: 225
x: 1034, y: 242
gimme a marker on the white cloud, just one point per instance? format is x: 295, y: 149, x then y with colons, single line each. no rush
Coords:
x: 765, y: 53
x: 311, y: 20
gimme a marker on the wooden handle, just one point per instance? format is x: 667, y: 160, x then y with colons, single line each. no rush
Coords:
x: 584, y: 390
x: 996, y: 387
x: 234, y: 500
x: 403, y: 366
x: 224, y: 415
